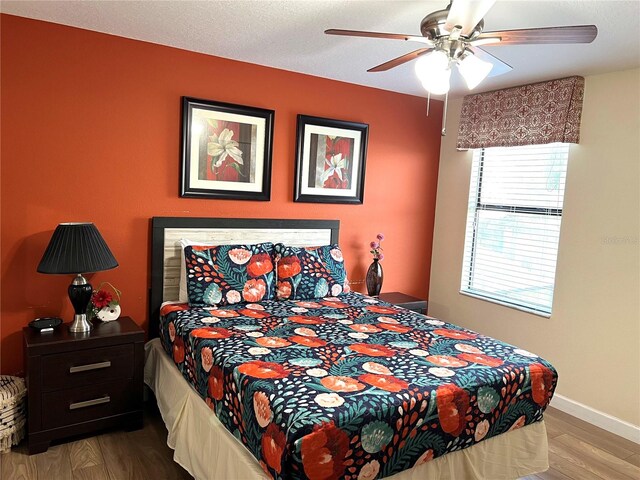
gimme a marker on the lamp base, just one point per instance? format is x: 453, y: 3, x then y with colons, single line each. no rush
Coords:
x: 80, y: 295
x: 80, y: 324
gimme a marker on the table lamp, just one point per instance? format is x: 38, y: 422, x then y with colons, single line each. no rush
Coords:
x: 77, y: 248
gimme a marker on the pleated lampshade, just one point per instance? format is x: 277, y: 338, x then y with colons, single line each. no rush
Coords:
x: 76, y: 248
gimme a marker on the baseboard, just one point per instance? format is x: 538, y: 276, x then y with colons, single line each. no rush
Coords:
x: 596, y: 417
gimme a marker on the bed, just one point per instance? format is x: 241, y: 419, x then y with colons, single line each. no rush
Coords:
x: 339, y: 386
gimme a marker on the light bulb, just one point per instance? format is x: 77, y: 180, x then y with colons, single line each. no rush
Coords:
x: 433, y: 72
x: 436, y: 61
x: 437, y: 82
x: 473, y: 70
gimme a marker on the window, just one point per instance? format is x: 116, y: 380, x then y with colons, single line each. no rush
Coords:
x: 513, y: 225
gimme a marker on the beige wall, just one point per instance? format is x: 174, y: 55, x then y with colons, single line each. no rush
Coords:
x: 593, y: 335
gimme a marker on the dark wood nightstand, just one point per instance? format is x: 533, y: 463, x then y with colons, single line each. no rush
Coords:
x: 79, y: 383
x: 405, y: 301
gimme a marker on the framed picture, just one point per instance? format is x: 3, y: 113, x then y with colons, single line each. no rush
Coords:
x: 226, y: 150
x: 330, y: 160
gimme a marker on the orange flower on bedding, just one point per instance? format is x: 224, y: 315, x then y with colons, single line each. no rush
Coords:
x: 262, y: 408
x: 453, y: 403
x: 260, y: 369
x: 541, y: 384
x: 395, y: 328
x: 384, y: 382
x: 210, y: 332
x: 382, y: 309
x: 446, y: 361
x: 481, y: 359
x: 324, y: 451
x: 308, y: 341
x: 259, y: 265
x: 173, y: 307
x: 254, y: 290
x: 284, y: 290
x: 273, y: 342
x: 178, y: 350
x: 457, y: 334
x: 222, y: 313
x: 289, y: 267
x: 364, y: 328
x: 342, y: 384
x: 372, y: 349
x: 306, y: 320
x: 273, y: 443
x: 215, y: 383
x: 248, y: 312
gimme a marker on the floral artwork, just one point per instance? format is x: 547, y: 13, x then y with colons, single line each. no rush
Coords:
x: 331, y: 158
x: 226, y: 150
x: 351, y: 387
x: 224, y: 161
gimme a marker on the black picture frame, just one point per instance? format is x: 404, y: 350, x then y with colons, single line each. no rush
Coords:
x: 241, y: 138
x: 335, y: 179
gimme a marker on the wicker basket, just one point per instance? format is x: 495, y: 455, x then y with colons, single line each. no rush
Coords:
x: 12, y: 411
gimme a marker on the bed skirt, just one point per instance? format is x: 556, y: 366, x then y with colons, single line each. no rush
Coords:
x: 208, y: 451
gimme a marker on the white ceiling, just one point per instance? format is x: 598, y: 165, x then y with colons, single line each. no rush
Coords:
x: 288, y: 34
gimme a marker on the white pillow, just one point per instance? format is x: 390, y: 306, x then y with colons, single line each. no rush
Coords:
x: 183, y: 296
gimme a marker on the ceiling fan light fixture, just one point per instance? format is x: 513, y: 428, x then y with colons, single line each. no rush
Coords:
x: 437, y: 82
x: 473, y: 70
x: 433, y: 72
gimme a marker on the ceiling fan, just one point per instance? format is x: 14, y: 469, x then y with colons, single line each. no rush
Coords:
x: 452, y: 37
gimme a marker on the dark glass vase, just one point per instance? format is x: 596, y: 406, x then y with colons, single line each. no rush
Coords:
x: 374, y: 278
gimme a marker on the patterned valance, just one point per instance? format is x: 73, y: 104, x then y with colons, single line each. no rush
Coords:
x: 534, y: 114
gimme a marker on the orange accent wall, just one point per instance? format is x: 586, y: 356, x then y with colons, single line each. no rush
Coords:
x: 91, y: 132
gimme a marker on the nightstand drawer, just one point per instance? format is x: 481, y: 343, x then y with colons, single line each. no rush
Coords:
x: 87, y: 367
x: 83, y: 404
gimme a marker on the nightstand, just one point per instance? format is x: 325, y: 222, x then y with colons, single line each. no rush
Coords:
x: 405, y: 301
x: 80, y: 383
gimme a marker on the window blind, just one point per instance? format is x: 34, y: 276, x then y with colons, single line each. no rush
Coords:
x: 516, y: 198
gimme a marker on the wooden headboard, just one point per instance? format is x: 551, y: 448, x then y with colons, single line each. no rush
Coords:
x: 166, y: 233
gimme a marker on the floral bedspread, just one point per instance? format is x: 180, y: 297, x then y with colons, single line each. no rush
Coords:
x: 350, y: 387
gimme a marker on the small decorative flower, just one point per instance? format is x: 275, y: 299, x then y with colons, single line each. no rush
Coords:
x: 257, y: 351
x: 336, y: 254
x: 375, y: 436
x: 376, y: 249
x: 233, y: 296
x: 369, y: 471
x: 441, y: 372
x: 329, y: 400
x: 102, y: 298
x: 306, y: 332
x: 373, y: 367
x: 262, y: 408
x: 481, y: 430
x: 207, y: 358
x: 342, y: 384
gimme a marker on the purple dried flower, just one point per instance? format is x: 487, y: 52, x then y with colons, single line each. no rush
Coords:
x: 374, y: 245
x: 381, y: 256
x: 380, y: 237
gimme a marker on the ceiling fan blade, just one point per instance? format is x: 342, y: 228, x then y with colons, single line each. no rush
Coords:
x: 383, y: 67
x: 499, y: 67
x: 390, y: 36
x: 467, y: 14
x: 545, y: 35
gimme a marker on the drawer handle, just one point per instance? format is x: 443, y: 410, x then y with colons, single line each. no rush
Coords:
x: 90, y: 403
x: 90, y: 366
